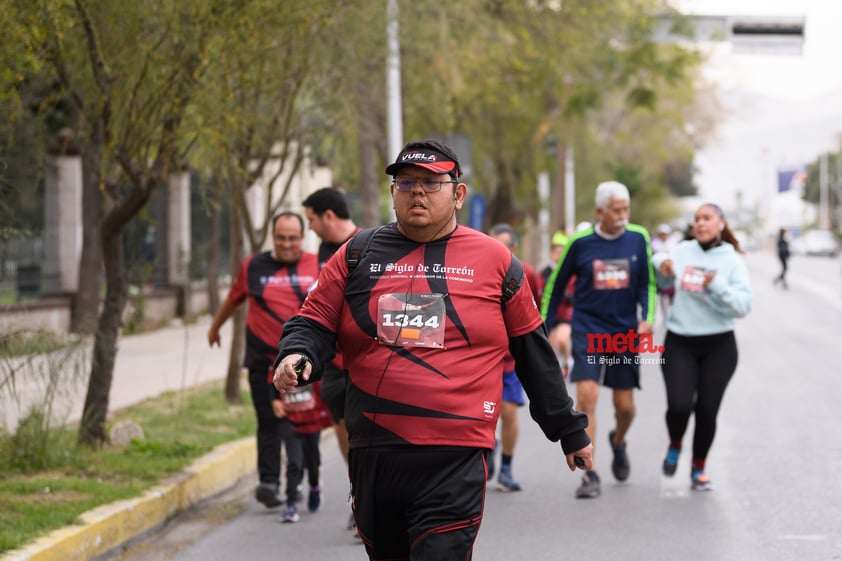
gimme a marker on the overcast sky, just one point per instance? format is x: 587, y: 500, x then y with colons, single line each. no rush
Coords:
x: 784, y: 109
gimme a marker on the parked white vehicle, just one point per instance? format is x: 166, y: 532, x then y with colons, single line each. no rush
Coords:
x: 818, y: 242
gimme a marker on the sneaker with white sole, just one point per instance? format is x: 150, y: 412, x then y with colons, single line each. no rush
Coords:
x: 290, y: 514
x: 505, y: 481
x: 700, y: 482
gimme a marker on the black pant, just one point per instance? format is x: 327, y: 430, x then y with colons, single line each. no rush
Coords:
x: 269, y: 428
x: 302, y: 453
x: 418, y: 502
x: 783, y: 260
x: 696, y: 372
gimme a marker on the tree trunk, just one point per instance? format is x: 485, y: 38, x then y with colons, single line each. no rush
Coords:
x: 86, y: 301
x: 238, y: 327
x: 502, y: 205
x: 370, y: 180
x: 92, y: 428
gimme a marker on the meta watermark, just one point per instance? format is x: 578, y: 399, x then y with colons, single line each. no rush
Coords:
x: 602, y: 344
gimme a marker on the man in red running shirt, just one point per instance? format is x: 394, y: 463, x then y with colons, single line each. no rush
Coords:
x: 275, y: 284
x: 424, y: 327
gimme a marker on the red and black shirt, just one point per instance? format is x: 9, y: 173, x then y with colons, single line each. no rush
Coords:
x: 423, y: 335
x: 275, y: 292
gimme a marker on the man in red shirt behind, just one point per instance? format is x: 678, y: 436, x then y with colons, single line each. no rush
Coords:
x: 275, y: 284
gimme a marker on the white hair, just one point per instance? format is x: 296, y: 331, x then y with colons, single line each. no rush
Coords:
x: 608, y: 191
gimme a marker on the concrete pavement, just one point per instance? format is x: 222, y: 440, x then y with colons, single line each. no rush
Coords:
x: 147, y: 365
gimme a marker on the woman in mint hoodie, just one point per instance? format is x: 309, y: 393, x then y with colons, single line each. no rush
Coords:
x: 700, y: 351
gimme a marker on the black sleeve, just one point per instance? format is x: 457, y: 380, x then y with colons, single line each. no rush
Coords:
x: 306, y: 337
x: 549, y: 404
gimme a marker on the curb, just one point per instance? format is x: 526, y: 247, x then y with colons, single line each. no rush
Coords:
x: 109, y: 526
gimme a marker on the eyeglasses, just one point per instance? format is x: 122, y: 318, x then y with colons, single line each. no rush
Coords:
x: 287, y: 239
x: 406, y: 184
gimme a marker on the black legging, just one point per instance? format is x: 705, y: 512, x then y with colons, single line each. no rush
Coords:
x: 783, y: 260
x: 696, y: 372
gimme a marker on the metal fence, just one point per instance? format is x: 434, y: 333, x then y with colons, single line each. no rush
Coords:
x: 22, y: 266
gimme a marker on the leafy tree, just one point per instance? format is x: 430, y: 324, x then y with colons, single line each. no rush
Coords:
x: 130, y: 71
x: 511, y: 74
x: 253, y: 118
x: 352, y: 93
x: 23, y: 86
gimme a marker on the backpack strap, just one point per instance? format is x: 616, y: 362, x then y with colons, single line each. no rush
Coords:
x: 358, y: 246
x: 512, y: 281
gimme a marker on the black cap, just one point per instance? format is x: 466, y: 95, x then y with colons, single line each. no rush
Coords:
x: 426, y: 158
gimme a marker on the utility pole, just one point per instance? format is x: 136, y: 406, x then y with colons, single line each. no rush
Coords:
x: 394, y: 104
x: 393, y: 81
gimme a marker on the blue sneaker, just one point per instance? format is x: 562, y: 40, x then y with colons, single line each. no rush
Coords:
x: 290, y: 514
x: 505, y: 481
x: 671, y: 462
x: 314, y: 499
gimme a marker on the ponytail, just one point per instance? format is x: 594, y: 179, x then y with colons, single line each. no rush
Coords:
x: 728, y: 236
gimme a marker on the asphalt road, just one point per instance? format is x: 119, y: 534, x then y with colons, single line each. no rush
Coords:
x: 775, y: 462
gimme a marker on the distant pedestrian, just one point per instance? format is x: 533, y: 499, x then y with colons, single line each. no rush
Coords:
x: 663, y: 242
x: 274, y: 283
x: 559, y: 334
x: 783, y: 257
x: 700, y: 350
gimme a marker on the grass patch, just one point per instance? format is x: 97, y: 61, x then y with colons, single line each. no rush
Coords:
x: 178, y: 427
x: 24, y: 342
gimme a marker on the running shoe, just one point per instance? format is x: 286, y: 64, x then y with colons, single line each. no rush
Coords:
x: 589, y: 488
x: 267, y: 493
x: 620, y: 464
x: 290, y: 514
x: 701, y: 482
x: 314, y: 499
x: 505, y: 481
x: 670, y: 462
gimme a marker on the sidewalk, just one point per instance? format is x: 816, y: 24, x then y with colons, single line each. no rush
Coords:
x: 147, y: 365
